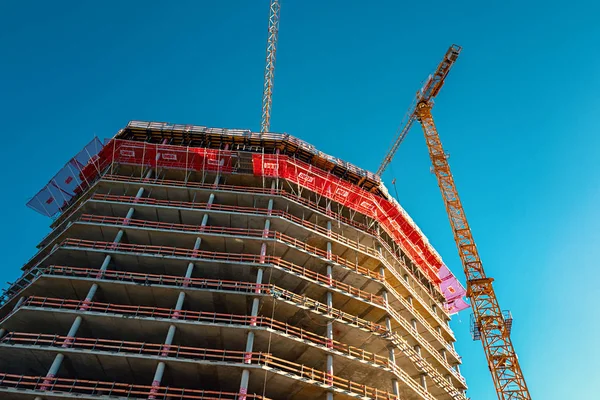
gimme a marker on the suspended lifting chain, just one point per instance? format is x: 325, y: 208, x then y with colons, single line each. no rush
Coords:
x: 495, y: 335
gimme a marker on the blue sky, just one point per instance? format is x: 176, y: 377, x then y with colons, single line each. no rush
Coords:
x: 518, y: 116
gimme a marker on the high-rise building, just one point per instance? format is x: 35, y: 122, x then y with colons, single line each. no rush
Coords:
x: 194, y: 263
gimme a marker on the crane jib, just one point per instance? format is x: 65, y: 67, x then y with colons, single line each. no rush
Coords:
x: 427, y: 93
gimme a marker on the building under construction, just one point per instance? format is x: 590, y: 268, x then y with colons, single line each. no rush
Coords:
x: 194, y: 263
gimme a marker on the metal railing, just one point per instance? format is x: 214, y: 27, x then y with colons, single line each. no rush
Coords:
x: 275, y: 235
x: 279, y: 192
x: 221, y: 230
x: 243, y: 189
x: 274, y: 325
x: 276, y: 213
x: 307, y: 224
x: 102, y: 389
x: 161, y: 250
x: 241, y: 358
x: 257, y: 321
x: 282, y: 193
x: 220, y: 284
x: 229, y: 257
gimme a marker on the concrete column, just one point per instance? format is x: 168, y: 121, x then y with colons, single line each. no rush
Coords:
x: 255, y: 306
x: 388, y: 326
x: 56, y: 364
x: 329, y: 243
x: 205, y: 218
x: 91, y: 293
x: 19, y: 302
x: 178, y: 305
x: 443, y: 353
x: 160, y: 368
x: 423, y: 375
x: 250, y: 339
x: 392, y: 362
x: 158, y: 375
x: 244, y: 384
x: 168, y: 340
x: 72, y: 332
x: 384, y: 294
x: 211, y: 199
x: 253, y: 315
x: 329, y: 339
x: 119, y: 236
x: 149, y: 173
x: 329, y: 396
x: 417, y: 349
x: 105, y: 263
x: 139, y: 194
x: 329, y: 300
x: 413, y: 323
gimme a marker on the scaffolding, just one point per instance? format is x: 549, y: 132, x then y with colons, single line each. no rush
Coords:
x: 276, y: 270
x: 390, y: 215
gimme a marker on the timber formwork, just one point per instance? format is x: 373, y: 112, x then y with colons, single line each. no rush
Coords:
x: 159, y: 282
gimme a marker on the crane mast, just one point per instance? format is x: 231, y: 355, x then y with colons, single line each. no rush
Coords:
x: 490, y: 323
x: 274, y: 12
x: 495, y: 333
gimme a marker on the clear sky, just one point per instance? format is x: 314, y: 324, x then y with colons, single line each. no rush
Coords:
x: 518, y: 116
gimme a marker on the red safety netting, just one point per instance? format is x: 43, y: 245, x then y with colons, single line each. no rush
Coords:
x: 68, y: 181
x: 160, y: 155
x: 390, y: 216
x: 88, y: 165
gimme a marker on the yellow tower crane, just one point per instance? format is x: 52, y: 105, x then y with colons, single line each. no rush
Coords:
x: 491, y: 325
x: 267, y: 100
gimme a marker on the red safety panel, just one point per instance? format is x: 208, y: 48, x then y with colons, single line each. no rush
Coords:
x: 392, y: 218
x: 272, y: 165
